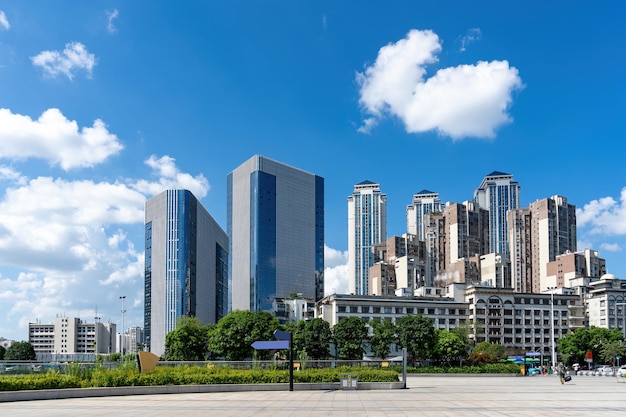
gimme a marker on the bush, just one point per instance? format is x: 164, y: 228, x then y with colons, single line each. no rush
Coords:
x: 187, y: 375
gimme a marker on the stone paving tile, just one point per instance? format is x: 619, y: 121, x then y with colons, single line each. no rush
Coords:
x: 458, y: 396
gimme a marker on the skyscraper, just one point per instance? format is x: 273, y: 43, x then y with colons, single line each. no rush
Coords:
x: 276, y: 229
x: 498, y: 193
x: 554, y: 233
x: 423, y: 202
x: 367, y: 226
x: 186, y: 265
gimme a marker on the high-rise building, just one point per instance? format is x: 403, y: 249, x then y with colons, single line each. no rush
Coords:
x: 186, y: 265
x: 367, y: 226
x: 520, y: 250
x: 423, y: 202
x: 276, y: 229
x: 498, y: 193
x: 553, y: 225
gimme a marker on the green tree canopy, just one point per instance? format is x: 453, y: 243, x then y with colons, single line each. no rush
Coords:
x: 349, y: 335
x: 417, y: 334
x: 450, y: 346
x: 611, y: 349
x: 497, y: 351
x: 20, y: 351
x: 297, y: 334
x: 383, y: 335
x: 317, y: 337
x: 575, y: 345
x: 188, y: 342
x: 234, y: 334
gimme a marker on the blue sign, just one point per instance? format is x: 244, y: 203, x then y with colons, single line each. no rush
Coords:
x: 270, y: 345
x: 281, y: 335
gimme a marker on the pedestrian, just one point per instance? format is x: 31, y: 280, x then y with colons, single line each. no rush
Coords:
x: 561, y: 370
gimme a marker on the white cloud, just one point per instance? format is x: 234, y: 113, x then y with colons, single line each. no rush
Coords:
x: 67, y: 242
x: 171, y: 177
x: 74, y: 57
x: 611, y: 247
x: 472, y: 35
x: 335, y: 271
x: 604, y: 216
x: 4, y: 22
x: 56, y: 139
x: 111, y: 15
x: 462, y: 101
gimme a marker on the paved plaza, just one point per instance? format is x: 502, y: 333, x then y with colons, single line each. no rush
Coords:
x: 425, y: 396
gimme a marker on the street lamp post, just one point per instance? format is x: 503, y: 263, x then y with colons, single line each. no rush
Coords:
x: 552, y: 324
x: 122, y: 297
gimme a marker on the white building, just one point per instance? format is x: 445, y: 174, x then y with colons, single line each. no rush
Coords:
x: 606, y: 303
x: 293, y: 309
x: 367, y: 226
x: 72, y: 336
x: 423, y: 202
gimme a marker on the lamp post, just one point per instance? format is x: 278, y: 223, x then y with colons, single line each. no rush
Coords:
x: 122, y: 297
x: 552, y: 324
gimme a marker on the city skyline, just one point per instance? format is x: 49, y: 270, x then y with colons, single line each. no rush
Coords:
x: 104, y: 106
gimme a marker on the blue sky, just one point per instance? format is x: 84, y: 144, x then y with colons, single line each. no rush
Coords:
x: 105, y: 104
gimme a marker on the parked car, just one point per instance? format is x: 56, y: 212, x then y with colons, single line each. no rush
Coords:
x: 621, y: 371
x: 603, y: 370
x: 534, y: 371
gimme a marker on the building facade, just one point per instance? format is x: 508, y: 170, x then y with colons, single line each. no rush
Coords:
x: 367, y: 226
x: 186, y: 265
x: 498, y: 193
x: 73, y: 338
x: 423, y: 202
x: 275, y: 218
x: 606, y: 303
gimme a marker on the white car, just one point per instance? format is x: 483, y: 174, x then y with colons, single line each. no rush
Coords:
x: 603, y: 370
x: 621, y: 371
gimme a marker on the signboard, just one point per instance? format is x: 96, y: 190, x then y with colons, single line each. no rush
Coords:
x: 271, y: 344
x: 589, y: 356
x: 282, y: 335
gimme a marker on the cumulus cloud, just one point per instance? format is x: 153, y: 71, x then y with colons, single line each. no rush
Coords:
x: 611, y: 247
x: 68, y: 241
x: 56, y: 139
x: 604, y: 216
x: 73, y: 58
x: 462, y: 101
x: 335, y: 271
x: 171, y: 177
x: 472, y: 35
x: 111, y: 15
x: 4, y: 22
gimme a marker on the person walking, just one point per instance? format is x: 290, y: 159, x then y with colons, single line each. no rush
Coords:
x: 561, y: 370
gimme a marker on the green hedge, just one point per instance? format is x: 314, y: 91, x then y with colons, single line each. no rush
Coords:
x: 187, y: 375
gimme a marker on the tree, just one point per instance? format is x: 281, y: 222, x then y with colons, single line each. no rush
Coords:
x: 576, y: 344
x: 494, y: 349
x: 317, y: 337
x: 383, y: 335
x: 611, y: 349
x: 417, y: 335
x: 234, y: 334
x: 297, y: 335
x: 20, y: 351
x: 188, y: 342
x: 450, y: 346
x: 2, y: 351
x: 349, y: 335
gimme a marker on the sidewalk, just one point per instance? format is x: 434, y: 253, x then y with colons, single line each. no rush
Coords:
x: 425, y: 396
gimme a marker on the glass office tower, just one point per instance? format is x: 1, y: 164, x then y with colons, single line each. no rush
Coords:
x: 276, y: 230
x: 186, y: 265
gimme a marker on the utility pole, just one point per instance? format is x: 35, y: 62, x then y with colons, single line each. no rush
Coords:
x: 122, y: 297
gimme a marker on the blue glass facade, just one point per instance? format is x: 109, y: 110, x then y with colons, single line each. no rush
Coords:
x: 276, y: 229
x: 263, y: 242
x: 186, y: 265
